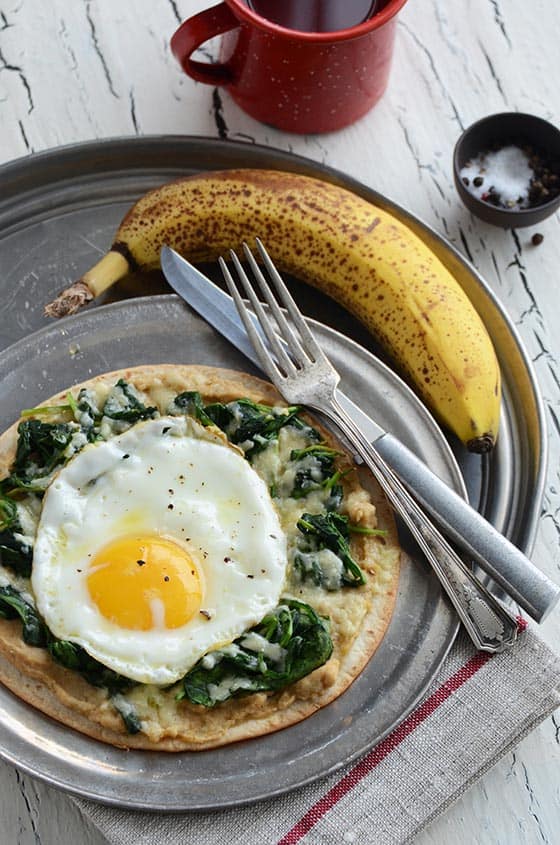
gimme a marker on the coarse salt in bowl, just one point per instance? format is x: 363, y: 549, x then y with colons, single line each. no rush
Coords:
x: 507, y: 169
x: 505, y: 174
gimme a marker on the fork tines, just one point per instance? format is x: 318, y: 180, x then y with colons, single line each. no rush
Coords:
x: 290, y: 355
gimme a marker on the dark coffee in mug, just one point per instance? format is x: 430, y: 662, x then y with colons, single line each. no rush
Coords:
x: 315, y: 15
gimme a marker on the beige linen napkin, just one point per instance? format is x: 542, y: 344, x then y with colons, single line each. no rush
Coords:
x: 476, y: 710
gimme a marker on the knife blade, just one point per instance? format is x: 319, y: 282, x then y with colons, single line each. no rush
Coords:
x: 462, y: 524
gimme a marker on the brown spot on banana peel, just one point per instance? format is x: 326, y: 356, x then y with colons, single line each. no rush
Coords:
x: 459, y: 383
x: 472, y: 370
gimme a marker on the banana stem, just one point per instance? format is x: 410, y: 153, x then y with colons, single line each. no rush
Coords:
x: 112, y: 267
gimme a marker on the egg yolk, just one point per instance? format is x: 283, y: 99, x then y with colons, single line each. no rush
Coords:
x: 145, y: 582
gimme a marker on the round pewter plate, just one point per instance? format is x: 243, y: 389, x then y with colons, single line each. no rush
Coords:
x: 162, y: 329
x: 58, y: 213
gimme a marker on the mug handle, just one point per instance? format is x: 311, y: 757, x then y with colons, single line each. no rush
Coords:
x: 194, y: 32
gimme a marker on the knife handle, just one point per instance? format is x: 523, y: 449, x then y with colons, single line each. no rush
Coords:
x: 463, y: 525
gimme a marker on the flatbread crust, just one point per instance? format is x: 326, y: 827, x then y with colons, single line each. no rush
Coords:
x: 65, y: 696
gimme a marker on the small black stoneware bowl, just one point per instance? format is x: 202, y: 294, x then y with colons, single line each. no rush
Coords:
x: 495, y: 131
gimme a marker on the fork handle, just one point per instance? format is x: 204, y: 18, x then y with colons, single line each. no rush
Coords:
x: 490, y: 625
x: 464, y: 526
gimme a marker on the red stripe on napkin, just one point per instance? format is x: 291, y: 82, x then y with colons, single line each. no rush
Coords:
x: 377, y: 754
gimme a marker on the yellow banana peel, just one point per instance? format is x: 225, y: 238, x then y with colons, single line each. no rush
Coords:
x: 362, y: 256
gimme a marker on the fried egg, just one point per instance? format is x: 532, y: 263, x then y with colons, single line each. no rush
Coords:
x: 156, y: 547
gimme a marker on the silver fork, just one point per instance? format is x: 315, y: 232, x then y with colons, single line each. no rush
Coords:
x: 302, y: 373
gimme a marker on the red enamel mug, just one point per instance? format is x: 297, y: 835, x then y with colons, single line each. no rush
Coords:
x: 297, y: 81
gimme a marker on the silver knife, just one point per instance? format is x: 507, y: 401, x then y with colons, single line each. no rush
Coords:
x: 499, y: 558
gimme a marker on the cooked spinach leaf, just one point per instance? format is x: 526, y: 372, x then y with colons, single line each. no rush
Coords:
x: 17, y: 482
x: 73, y: 656
x: 330, y: 531
x: 40, y: 448
x: 289, y: 643
x: 246, y: 423
x: 309, y: 567
x: 219, y: 414
x: 314, y: 470
x: 259, y: 424
x: 336, y: 493
x: 66, y: 653
x: 253, y: 422
x: 41, y: 443
x: 46, y: 410
x: 8, y: 514
x: 324, y: 455
x: 129, y: 716
x: 12, y: 605
x: 190, y: 402
x: 305, y: 429
x: 86, y: 412
x: 15, y: 554
x: 123, y: 403
x: 250, y: 425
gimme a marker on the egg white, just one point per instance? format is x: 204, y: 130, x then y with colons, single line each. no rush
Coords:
x: 222, y: 514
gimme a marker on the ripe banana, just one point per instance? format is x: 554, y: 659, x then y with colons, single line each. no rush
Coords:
x: 357, y: 253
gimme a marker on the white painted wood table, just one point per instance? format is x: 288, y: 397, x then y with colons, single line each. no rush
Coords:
x: 73, y: 70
